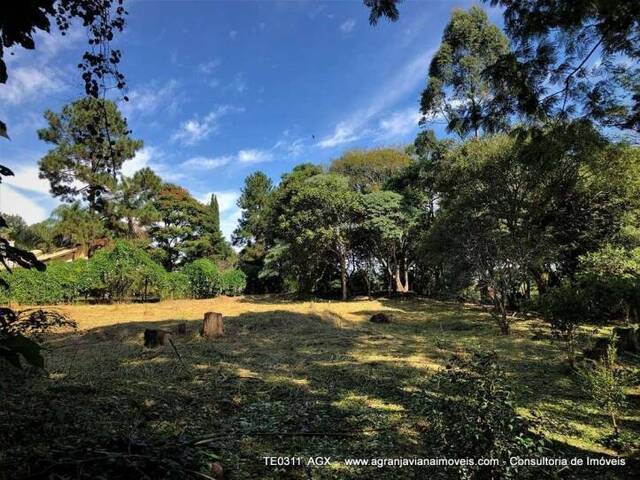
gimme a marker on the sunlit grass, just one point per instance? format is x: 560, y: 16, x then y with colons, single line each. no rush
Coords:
x: 286, y: 366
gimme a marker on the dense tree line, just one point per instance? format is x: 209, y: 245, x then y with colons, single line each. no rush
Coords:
x: 517, y: 204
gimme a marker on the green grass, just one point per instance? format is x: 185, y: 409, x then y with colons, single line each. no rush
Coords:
x: 283, y: 367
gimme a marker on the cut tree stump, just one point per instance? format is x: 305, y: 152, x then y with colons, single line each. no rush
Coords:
x: 380, y: 318
x: 154, y: 338
x: 212, y: 325
x: 627, y: 339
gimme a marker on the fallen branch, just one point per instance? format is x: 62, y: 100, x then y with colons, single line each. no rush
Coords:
x: 355, y: 433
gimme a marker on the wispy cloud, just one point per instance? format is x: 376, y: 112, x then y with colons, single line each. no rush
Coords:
x: 208, y: 67
x: 253, y: 155
x: 398, y: 124
x: 152, y: 98
x: 239, y: 84
x: 195, y: 130
x: 31, y: 83
x: 155, y: 159
x: 233, y: 34
x: 361, y: 122
x: 27, y: 178
x: 345, y: 132
x: 14, y: 202
x: 347, y: 25
x: 207, y: 163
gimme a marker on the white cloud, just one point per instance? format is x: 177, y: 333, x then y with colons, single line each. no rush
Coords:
x: 347, y: 26
x: 30, y: 83
x: 343, y: 133
x: 209, y: 67
x: 399, y: 124
x: 207, y: 163
x: 195, y: 130
x: 153, y: 98
x: 27, y: 178
x: 141, y: 160
x: 16, y: 203
x: 252, y: 156
x: 402, y: 85
x: 239, y: 84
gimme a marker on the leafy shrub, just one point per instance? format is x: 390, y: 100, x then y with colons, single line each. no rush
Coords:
x: 472, y: 415
x: 233, y: 282
x: 123, y: 272
x: 60, y: 283
x: 611, y: 279
x: 565, y: 308
x: 205, y: 280
x: 605, y: 385
x: 177, y: 285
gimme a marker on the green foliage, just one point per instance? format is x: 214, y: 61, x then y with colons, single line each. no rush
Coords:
x: 322, y: 218
x: 605, y: 385
x: 611, y: 278
x: 177, y: 285
x: 457, y: 89
x: 135, y: 201
x: 91, y: 142
x: 572, y: 59
x: 205, y: 279
x: 252, y: 231
x: 369, y: 170
x: 472, y: 415
x: 185, y: 229
x: 59, y: 283
x: 74, y: 225
x: 234, y: 282
x: 566, y: 307
x: 124, y: 272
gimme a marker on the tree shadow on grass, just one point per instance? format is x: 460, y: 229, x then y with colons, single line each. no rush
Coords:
x: 278, y: 384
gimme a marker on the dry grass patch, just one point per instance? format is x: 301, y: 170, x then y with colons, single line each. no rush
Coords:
x: 284, y: 366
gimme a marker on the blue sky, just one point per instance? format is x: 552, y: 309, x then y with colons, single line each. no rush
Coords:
x: 219, y: 90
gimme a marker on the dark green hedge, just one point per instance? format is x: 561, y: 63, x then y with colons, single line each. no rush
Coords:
x: 121, y: 273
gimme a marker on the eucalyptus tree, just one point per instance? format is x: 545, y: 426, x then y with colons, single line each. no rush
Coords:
x: 457, y: 90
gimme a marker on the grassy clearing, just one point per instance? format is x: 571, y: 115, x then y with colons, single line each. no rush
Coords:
x: 283, y: 367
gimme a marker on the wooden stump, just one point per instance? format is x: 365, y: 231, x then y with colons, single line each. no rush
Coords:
x: 154, y: 338
x: 212, y: 325
x: 599, y: 350
x: 627, y: 340
x: 379, y: 318
x: 182, y: 329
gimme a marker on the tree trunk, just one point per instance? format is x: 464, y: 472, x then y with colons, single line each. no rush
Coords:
x: 343, y: 275
x: 212, y: 325
x: 406, y: 275
x: 400, y: 288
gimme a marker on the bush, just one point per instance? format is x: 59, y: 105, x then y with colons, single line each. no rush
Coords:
x: 611, y: 279
x: 124, y: 271
x: 565, y: 308
x: 233, y: 282
x: 472, y: 415
x: 177, y: 285
x: 605, y: 385
x: 205, y: 280
x: 60, y: 283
